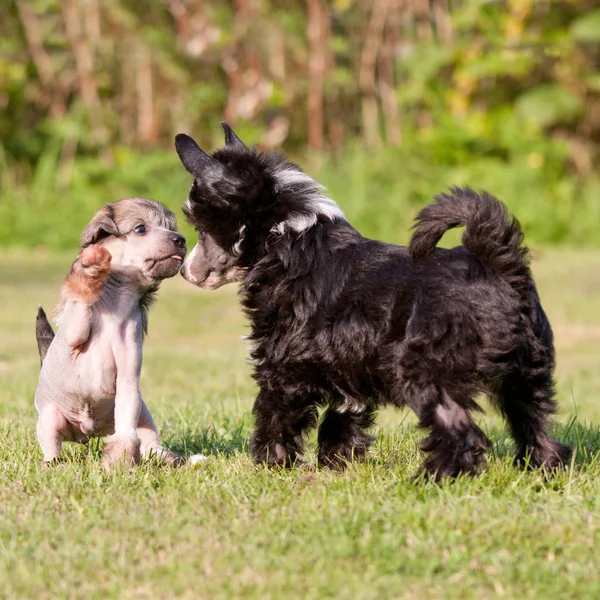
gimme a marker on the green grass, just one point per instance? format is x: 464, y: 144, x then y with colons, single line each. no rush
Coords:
x: 228, y: 529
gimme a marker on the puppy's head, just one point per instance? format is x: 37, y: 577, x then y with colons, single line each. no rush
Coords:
x: 239, y: 200
x: 141, y: 236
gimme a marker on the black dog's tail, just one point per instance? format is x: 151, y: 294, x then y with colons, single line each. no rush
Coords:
x: 43, y: 333
x: 492, y: 235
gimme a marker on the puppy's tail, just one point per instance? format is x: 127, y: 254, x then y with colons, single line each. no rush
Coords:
x: 43, y: 333
x: 491, y: 234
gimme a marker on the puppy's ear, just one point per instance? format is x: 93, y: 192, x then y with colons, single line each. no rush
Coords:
x: 231, y: 139
x: 98, y: 230
x: 199, y: 164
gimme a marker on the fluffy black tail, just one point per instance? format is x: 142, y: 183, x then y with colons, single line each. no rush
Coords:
x: 43, y: 333
x: 492, y: 235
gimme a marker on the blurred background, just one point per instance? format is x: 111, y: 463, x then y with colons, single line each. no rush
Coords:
x: 385, y: 101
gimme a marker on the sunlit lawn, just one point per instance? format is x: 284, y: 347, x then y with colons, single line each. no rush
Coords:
x: 228, y: 529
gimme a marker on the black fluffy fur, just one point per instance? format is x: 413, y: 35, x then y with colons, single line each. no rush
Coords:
x: 350, y: 323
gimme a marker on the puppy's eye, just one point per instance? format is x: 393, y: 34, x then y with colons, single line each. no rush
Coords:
x: 140, y: 229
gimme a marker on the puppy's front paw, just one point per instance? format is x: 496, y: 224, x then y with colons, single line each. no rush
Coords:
x: 95, y: 262
x: 88, y: 274
x: 121, y: 450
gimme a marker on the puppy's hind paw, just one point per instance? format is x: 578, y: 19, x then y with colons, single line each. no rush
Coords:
x: 173, y: 459
x: 52, y: 462
x: 164, y: 456
x: 196, y: 459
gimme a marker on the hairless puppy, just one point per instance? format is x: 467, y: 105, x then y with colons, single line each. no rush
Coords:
x: 89, y: 380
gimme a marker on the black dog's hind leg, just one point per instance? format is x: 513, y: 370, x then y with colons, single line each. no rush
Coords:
x: 526, y: 398
x: 343, y: 436
x: 455, y: 444
x: 280, y: 423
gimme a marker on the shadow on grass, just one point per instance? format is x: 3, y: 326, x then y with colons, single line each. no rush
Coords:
x: 227, y: 441
x: 583, y: 438
x: 208, y: 441
x: 221, y: 441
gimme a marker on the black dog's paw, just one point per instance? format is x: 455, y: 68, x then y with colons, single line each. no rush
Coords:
x: 549, y: 454
x: 273, y: 454
x: 453, y: 456
x: 343, y: 438
x: 438, y: 469
x: 339, y: 456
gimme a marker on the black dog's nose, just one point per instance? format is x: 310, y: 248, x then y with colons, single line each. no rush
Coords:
x: 178, y: 240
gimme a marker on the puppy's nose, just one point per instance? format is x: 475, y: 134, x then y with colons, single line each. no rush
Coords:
x: 178, y: 240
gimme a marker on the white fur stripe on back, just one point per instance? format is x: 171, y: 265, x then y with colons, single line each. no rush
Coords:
x: 236, y: 250
x: 313, y: 200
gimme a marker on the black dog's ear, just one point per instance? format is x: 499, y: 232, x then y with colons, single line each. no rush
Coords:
x: 199, y: 164
x: 231, y: 139
x: 98, y: 230
x: 194, y: 159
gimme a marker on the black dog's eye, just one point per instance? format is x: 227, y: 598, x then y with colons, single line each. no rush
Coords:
x: 140, y: 229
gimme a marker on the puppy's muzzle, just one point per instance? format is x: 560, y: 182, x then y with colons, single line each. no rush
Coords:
x: 209, y: 278
x: 179, y: 243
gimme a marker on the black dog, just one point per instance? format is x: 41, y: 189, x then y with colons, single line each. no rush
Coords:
x: 354, y: 324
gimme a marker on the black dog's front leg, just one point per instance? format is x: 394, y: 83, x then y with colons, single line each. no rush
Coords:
x: 281, y: 420
x: 343, y: 436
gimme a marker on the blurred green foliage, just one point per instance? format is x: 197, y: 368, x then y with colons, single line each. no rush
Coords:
x: 502, y: 95
x: 379, y: 192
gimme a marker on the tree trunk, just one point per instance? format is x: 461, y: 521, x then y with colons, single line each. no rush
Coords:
x: 127, y: 104
x: 387, y: 87
x: 41, y: 59
x: 443, y: 22
x: 147, y: 126
x: 84, y: 65
x: 422, y: 19
x: 316, y: 72
x: 373, y: 39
